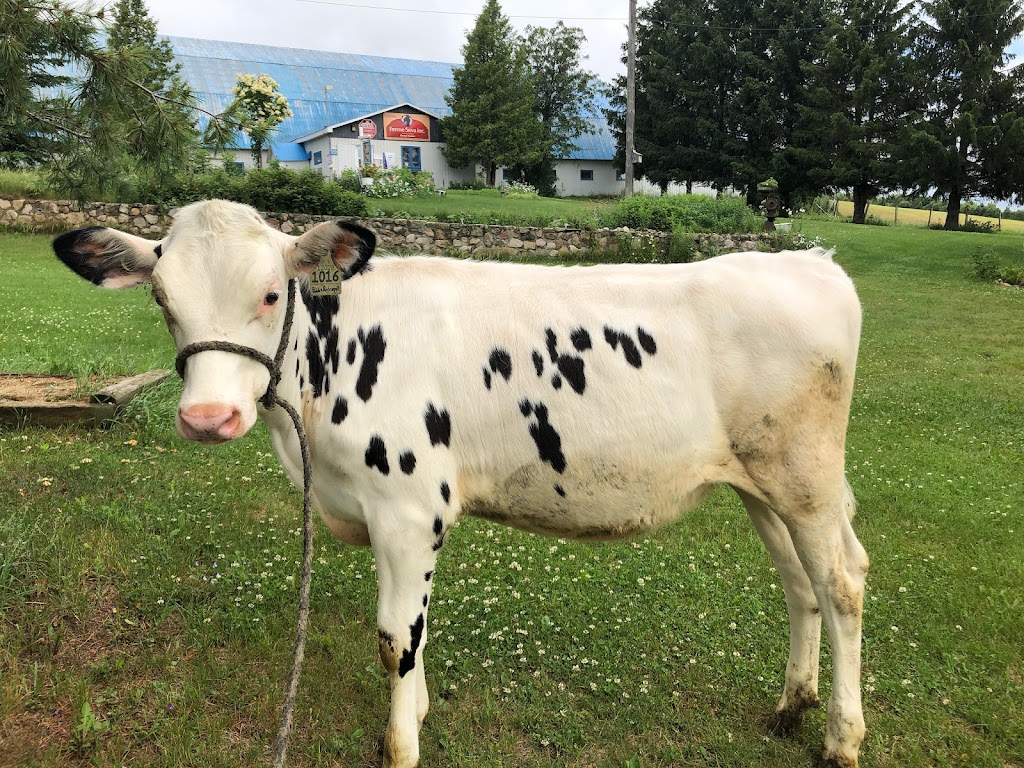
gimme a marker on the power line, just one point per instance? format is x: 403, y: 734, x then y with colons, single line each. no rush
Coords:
x: 459, y: 13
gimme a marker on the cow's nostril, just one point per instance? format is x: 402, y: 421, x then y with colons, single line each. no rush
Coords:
x: 211, y: 420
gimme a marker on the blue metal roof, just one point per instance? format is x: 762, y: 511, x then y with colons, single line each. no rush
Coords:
x: 359, y: 85
x: 290, y: 152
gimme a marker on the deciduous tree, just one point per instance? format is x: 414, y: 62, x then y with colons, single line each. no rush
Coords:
x: 259, y: 107
x: 566, y: 94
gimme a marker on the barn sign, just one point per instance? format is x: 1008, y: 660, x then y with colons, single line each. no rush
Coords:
x: 367, y: 129
x: 406, y: 126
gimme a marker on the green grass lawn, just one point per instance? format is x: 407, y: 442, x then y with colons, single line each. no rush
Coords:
x: 489, y: 206
x: 154, y: 579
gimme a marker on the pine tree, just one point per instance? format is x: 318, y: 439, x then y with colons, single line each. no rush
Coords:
x: 860, y: 91
x: 83, y: 124
x: 492, y: 100
x: 970, y: 136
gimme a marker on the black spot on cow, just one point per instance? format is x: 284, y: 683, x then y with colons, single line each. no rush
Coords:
x: 408, y: 661
x: 296, y: 364
x: 426, y: 599
x: 646, y: 341
x: 630, y: 351
x: 526, y: 407
x: 552, y: 342
x: 428, y: 575
x: 377, y: 455
x: 549, y: 442
x: 501, y: 362
x: 322, y: 311
x: 318, y: 377
x: 331, y: 352
x: 446, y: 492
x: 629, y: 348
x: 487, y: 378
x: 439, y: 543
x: 296, y: 347
x: 538, y: 362
x: 407, y: 461
x: 373, y: 345
x: 570, y: 366
x: 581, y: 339
x: 438, y: 526
x: 340, y: 410
x: 350, y: 353
x: 439, y: 425
x: 302, y: 382
x: 158, y: 250
x: 560, y: 491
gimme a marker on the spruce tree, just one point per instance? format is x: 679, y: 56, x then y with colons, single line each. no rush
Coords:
x: 492, y: 99
x: 860, y: 91
x: 132, y: 34
x: 970, y: 136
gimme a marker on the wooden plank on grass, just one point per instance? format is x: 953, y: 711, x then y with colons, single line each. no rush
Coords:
x: 57, y: 414
x: 120, y: 392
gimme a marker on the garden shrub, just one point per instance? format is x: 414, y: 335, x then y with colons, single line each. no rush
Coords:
x: 684, y: 213
x: 274, y: 189
x: 400, y: 182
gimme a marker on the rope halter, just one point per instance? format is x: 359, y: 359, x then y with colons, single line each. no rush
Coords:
x: 270, y: 400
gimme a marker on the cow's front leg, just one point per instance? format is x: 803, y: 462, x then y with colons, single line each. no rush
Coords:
x: 405, y: 569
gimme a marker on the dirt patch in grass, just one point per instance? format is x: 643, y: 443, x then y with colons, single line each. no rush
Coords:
x: 32, y: 388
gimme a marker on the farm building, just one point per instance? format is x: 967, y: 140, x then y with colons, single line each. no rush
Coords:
x: 350, y: 109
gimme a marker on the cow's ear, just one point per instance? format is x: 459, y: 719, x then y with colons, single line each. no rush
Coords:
x: 107, y: 257
x: 348, y: 245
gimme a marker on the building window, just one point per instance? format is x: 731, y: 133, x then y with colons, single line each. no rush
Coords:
x: 238, y: 166
x: 318, y: 158
x: 507, y: 174
x: 586, y: 175
x: 412, y: 159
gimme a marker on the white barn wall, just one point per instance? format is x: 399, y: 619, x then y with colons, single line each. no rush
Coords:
x: 431, y: 159
x: 568, y: 183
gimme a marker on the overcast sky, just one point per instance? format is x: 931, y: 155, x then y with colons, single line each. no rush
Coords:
x: 435, y: 31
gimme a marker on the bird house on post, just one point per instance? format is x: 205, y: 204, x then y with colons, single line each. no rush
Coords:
x: 771, y: 205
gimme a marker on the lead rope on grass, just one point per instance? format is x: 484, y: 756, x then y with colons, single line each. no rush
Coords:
x: 270, y: 400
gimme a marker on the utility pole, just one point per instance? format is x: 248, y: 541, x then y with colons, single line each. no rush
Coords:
x: 630, y: 95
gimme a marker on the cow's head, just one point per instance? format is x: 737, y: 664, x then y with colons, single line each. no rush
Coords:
x: 220, y: 274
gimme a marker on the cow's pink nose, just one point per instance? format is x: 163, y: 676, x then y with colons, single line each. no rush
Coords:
x: 209, y: 422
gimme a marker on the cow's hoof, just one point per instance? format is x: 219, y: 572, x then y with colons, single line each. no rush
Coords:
x: 837, y: 761
x: 785, y: 722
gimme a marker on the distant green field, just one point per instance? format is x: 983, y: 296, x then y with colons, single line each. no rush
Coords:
x: 154, y: 579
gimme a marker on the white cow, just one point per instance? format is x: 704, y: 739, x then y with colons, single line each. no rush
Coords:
x: 591, y: 402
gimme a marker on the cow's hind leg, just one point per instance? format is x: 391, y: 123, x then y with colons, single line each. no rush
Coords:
x: 801, y: 688
x: 837, y: 566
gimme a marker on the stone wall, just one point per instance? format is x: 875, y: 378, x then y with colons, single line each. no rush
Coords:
x: 393, y: 234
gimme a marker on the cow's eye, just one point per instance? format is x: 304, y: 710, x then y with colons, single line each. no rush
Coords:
x: 271, y: 298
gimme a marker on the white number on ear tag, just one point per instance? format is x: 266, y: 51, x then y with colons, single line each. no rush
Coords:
x: 325, y: 279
